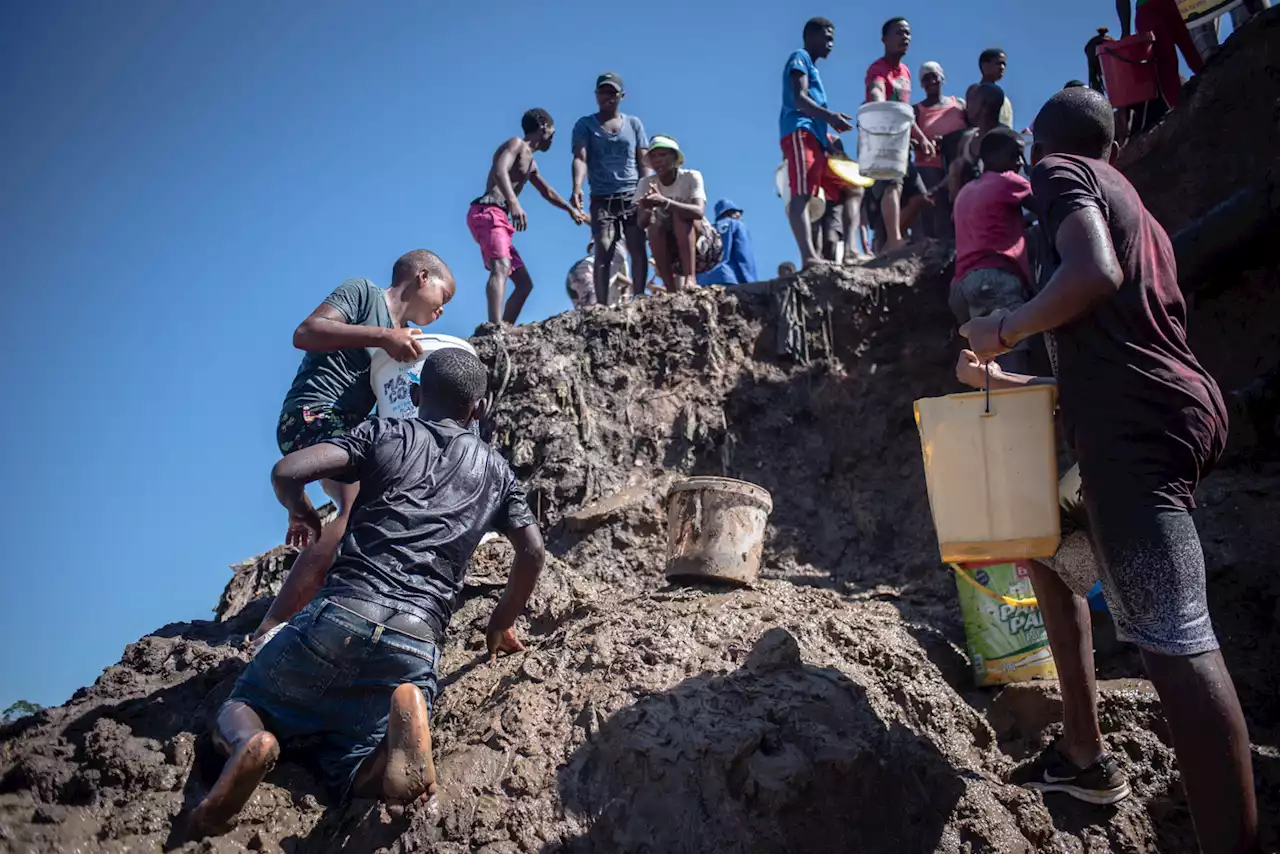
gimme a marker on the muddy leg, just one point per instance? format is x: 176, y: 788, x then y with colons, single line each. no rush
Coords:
x: 1067, y: 622
x: 401, y: 769
x: 252, y: 752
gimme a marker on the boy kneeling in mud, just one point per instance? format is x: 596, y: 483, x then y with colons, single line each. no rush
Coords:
x: 1146, y: 422
x: 357, y: 666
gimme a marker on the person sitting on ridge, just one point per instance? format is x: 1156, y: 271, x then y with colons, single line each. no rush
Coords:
x: 738, y: 260
x: 497, y: 214
x: 354, y: 673
x: 673, y: 212
x: 1146, y: 422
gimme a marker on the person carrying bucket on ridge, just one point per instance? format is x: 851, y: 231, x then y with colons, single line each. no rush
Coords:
x: 889, y: 79
x: 1162, y: 19
x: 804, y: 124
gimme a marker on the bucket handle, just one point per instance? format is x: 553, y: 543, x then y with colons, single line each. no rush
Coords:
x: 1033, y: 602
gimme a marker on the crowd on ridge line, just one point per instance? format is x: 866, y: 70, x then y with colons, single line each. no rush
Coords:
x: 646, y: 210
x: 345, y: 661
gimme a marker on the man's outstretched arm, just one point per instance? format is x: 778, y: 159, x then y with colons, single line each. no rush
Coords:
x: 501, y: 636
x: 549, y: 193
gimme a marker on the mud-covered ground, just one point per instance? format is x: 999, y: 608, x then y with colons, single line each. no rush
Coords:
x: 828, y: 709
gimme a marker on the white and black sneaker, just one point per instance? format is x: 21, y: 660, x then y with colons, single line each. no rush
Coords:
x: 1101, y: 783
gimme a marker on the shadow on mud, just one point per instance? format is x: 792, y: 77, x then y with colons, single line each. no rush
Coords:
x: 775, y: 756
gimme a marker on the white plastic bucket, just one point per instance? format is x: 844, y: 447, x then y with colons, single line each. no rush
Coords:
x: 884, y: 139
x: 992, y: 476
x: 817, y: 203
x: 391, y: 379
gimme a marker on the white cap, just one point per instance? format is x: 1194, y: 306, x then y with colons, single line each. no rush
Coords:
x: 932, y: 68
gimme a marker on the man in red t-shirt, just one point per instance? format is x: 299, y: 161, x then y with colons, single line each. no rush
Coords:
x: 889, y: 79
x: 1146, y: 423
x: 992, y: 274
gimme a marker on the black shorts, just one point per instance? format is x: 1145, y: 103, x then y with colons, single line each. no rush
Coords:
x: 912, y: 185
x: 615, y: 214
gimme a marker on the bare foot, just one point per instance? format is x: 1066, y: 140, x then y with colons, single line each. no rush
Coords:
x: 236, y: 784
x: 814, y: 262
x: 895, y: 245
x: 410, y: 773
x: 853, y: 258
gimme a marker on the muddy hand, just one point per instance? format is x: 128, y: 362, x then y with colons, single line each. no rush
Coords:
x: 502, y: 641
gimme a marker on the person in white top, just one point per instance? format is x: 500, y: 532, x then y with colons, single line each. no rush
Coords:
x: 673, y: 206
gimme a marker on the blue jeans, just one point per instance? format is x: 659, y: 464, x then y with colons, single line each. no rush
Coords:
x: 327, y: 679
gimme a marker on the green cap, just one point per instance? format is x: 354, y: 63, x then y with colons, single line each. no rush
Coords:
x: 667, y: 142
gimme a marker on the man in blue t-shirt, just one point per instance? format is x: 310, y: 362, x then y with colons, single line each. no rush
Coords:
x: 805, y: 125
x: 609, y: 149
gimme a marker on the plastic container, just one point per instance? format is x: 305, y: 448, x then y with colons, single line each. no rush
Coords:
x: 1129, y: 69
x: 391, y: 379
x: 884, y: 139
x: 715, y: 529
x: 817, y: 203
x: 1007, y: 643
x: 992, y: 475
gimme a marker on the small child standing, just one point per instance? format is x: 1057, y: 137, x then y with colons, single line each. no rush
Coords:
x: 992, y: 274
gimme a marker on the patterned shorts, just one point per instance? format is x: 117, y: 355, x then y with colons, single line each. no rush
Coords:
x: 707, y: 252
x: 302, y: 428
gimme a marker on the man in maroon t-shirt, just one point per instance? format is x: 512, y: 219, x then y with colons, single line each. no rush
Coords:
x: 1146, y: 422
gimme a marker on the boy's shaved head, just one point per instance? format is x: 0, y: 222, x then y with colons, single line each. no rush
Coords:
x: 1076, y: 121
x: 453, y: 380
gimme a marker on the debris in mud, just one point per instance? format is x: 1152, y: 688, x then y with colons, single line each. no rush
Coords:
x: 828, y: 709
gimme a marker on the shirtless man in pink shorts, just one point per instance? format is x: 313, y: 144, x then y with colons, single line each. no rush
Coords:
x: 497, y: 215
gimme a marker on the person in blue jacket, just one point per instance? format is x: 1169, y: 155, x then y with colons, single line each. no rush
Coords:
x: 738, y: 262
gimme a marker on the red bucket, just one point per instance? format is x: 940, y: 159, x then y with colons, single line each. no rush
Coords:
x: 1129, y: 69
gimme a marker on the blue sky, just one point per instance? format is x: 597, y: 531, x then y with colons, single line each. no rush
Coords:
x: 183, y: 182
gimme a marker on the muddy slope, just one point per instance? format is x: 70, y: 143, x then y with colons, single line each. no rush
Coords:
x: 828, y: 709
